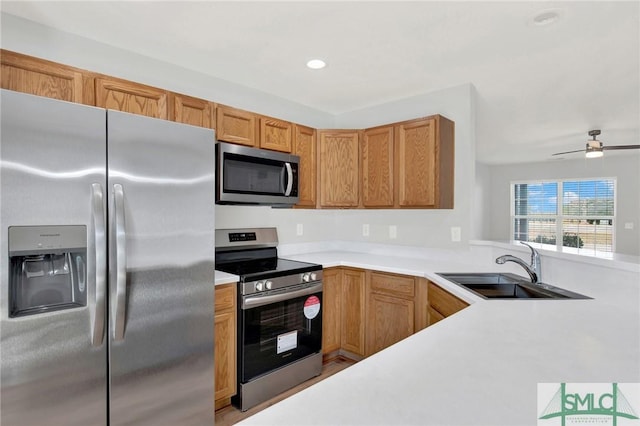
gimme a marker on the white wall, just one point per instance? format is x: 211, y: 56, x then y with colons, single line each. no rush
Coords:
x: 33, y: 39
x: 624, y: 167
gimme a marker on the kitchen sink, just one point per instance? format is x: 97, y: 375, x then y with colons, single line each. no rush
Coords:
x: 493, y: 285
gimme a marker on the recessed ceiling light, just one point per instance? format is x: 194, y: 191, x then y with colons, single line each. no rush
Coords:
x: 546, y: 17
x: 316, y: 64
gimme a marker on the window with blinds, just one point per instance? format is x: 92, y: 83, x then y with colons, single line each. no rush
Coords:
x: 576, y: 214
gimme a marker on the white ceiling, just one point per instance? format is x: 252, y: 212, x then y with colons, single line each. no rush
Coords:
x: 539, y: 88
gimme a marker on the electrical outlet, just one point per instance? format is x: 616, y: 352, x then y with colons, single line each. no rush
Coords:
x: 365, y: 230
x: 628, y: 225
x: 393, y: 232
x: 299, y: 229
x: 455, y: 234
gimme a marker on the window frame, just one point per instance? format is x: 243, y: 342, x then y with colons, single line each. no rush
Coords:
x: 559, y: 217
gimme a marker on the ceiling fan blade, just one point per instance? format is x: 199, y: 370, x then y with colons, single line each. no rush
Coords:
x: 622, y: 147
x: 568, y: 152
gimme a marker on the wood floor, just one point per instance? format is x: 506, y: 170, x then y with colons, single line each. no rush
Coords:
x: 231, y: 415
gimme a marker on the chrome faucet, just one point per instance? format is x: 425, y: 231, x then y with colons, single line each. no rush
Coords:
x: 534, y: 270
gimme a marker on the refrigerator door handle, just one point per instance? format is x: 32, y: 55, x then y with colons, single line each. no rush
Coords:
x: 98, y: 305
x: 120, y: 258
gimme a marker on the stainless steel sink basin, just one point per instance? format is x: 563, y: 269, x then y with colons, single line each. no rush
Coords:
x: 508, y: 286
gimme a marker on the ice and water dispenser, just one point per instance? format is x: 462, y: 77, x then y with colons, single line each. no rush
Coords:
x: 47, y: 268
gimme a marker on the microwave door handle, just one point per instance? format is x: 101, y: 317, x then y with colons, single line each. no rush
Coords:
x: 287, y: 191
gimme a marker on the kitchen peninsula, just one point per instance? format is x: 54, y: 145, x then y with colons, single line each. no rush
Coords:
x: 482, y: 365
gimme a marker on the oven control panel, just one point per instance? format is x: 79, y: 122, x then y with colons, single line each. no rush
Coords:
x: 277, y: 283
x: 242, y: 236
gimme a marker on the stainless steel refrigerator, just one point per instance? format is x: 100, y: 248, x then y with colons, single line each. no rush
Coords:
x: 107, y: 264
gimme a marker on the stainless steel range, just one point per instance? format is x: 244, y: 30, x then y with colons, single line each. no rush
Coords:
x: 279, y: 314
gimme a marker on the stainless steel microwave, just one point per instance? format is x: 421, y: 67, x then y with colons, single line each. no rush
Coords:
x: 255, y: 176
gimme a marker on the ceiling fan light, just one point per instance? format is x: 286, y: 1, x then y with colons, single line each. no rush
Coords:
x: 593, y: 154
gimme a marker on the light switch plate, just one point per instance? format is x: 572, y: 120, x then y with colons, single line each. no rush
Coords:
x: 299, y: 229
x: 365, y: 230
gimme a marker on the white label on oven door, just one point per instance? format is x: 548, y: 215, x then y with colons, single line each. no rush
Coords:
x: 287, y: 341
x: 311, y: 307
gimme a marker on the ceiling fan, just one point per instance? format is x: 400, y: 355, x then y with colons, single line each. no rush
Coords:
x: 595, y: 148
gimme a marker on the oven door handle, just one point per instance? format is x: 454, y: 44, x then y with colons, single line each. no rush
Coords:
x: 249, y: 302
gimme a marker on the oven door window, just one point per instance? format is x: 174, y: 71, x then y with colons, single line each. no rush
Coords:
x: 278, y: 334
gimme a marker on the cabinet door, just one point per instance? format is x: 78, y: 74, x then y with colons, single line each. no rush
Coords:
x: 235, y: 126
x: 353, y: 311
x: 225, y: 355
x: 416, y: 152
x: 331, y: 309
x: 35, y: 76
x: 444, y: 302
x: 225, y: 343
x: 275, y: 134
x: 194, y: 111
x: 339, y: 176
x: 389, y: 320
x: 377, y: 167
x: 122, y: 95
x: 304, y: 146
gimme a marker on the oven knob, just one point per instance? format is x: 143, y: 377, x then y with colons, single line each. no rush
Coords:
x: 313, y: 276
x: 305, y: 277
x: 259, y: 285
x: 268, y: 285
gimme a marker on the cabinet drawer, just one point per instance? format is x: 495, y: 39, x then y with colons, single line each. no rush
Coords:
x: 225, y: 297
x: 443, y: 301
x: 397, y: 285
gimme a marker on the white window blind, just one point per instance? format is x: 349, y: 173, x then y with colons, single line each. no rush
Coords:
x: 570, y: 214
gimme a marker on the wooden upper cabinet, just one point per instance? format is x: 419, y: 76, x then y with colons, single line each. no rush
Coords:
x: 377, y: 167
x: 122, y: 95
x: 424, y: 163
x: 236, y: 126
x: 27, y: 74
x: 304, y: 146
x: 194, y: 111
x: 339, y: 168
x: 276, y: 135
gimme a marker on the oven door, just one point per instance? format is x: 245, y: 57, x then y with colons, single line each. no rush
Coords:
x: 279, y: 328
x: 255, y: 176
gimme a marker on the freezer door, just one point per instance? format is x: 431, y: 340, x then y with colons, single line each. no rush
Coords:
x: 161, y: 208
x: 53, y: 356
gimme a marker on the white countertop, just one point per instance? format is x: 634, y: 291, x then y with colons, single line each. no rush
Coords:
x: 224, y: 278
x: 480, y: 366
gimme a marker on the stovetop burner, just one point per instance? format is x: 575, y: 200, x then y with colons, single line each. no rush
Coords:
x: 252, y: 255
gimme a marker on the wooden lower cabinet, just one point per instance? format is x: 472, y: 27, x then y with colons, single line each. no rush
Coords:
x: 331, y: 309
x: 365, y: 311
x: 225, y: 344
x: 390, y: 309
x: 441, y: 304
x: 353, y: 311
